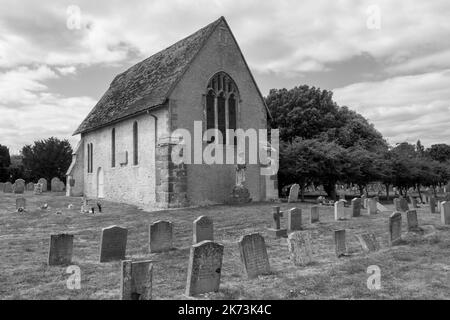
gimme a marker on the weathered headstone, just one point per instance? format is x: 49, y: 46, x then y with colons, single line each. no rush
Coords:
x: 395, y: 228
x: 339, y: 211
x: 276, y: 230
x: 8, y: 187
x: 252, y: 248
x: 113, y: 244
x: 19, y: 186
x: 61, y: 248
x: 43, y: 182
x: 21, y: 203
x: 315, y: 214
x: 403, y: 204
x: 368, y: 242
x: 57, y: 185
x: 203, y: 229
x: 371, y: 206
x: 432, y: 204
x: 293, y: 193
x: 161, y: 236
x: 30, y: 186
x: 411, y: 217
x: 299, y: 244
x: 205, y: 267
x: 381, y: 208
x: 38, y: 188
x: 136, y: 280
x: 294, y: 219
x: 339, y: 240
x: 445, y: 212
x: 356, y: 207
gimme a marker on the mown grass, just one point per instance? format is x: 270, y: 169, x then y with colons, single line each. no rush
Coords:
x: 417, y: 269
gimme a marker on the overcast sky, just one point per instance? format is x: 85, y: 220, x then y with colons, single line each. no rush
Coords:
x: 394, y: 70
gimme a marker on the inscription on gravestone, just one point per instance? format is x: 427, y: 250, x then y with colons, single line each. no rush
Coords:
x: 113, y: 244
x: 252, y: 248
x: 299, y: 244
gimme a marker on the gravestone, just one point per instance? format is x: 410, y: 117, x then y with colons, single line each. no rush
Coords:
x: 356, y: 207
x: 19, y: 186
x: 203, y: 229
x: 294, y: 219
x: 276, y: 230
x: 60, y: 251
x: 21, y: 203
x: 413, y: 201
x: 205, y: 267
x: 252, y: 248
x: 363, y: 201
x: 445, y: 212
x: 339, y: 213
x: 136, y: 280
x: 293, y: 193
x: 38, y: 188
x: 113, y: 244
x: 8, y: 187
x: 395, y: 228
x: 43, y: 182
x: 382, y: 208
x: 299, y: 244
x: 315, y: 214
x: 161, y: 236
x: 403, y: 204
x: 411, y: 217
x: 397, y: 206
x: 371, y: 206
x: 339, y: 240
x: 432, y: 204
x: 2, y: 185
x: 57, y: 185
x: 438, y: 206
x: 30, y: 186
x: 368, y: 242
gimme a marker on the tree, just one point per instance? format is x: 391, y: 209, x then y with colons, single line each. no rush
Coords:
x: 439, y: 152
x: 47, y: 159
x: 5, y: 162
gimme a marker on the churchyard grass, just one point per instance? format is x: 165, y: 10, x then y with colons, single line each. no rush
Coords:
x: 418, y: 268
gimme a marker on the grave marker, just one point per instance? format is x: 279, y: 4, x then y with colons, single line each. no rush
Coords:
x: 136, y: 280
x: 294, y: 219
x: 445, y: 212
x: 293, y: 193
x: 113, y: 244
x: 368, y: 242
x: 411, y: 217
x: 43, y: 182
x: 61, y: 248
x: 395, y: 228
x: 356, y: 207
x: 276, y: 231
x: 299, y: 244
x: 203, y: 229
x: 371, y: 207
x: 253, y: 253
x: 7, y: 188
x: 315, y: 214
x: 161, y: 236
x: 339, y: 213
x: 339, y: 240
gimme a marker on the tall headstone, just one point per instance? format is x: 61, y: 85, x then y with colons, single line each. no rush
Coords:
x: 293, y: 193
x: 363, y: 201
x: 356, y: 207
x: 294, y: 219
x: 136, y: 280
x: 161, y: 236
x: 113, y: 244
x: 445, y: 212
x: 339, y: 212
x: 411, y: 217
x: 61, y: 248
x: 368, y: 242
x: 19, y: 186
x: 339, y: 240
x: 43, y: 182
x: 203, y: 229
x: 403, y: 204
x: 205, y: 268
x: 395, y: 228
x: 432, y: 204
x: 315, y: 214
x: 8, y: 187
x: 299, y: 244
x: 252, y: 248
x: 371, y: 206
x: 21, y: 202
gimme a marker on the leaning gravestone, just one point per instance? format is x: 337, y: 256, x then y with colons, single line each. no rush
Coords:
x: 136, y: 280
x: 432, y: 204
x: 113, y: 244
x: 43, y: 182
x: 21, y: 203
x: 339, y: 213
x: 411, y: 217
x: 404, y: 204
x: 371, y: 206
x: 293, y: 193
x: 203, y: 229
x: 339, y: 240
x: 314, y: 214
x: 445, y: 212
x: 30, y: 186
x: 252, y: 248
x: 299, y: 244
x: 160, y: 236
x: 19, y: 186
x: 205, y: 267
x: 294, y: 219
x: 368, y: 242
x: 356, y: 207
x: 61, y: 247
x: 395, y: 228
x: 8, y: 187
x: 57, y: 185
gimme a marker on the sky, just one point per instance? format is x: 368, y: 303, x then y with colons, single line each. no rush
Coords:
x: 388, y: 60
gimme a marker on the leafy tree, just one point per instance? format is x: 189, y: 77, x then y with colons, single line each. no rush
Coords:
x: 47, y: 159
x: 439, y: 152
x: 5, y: 162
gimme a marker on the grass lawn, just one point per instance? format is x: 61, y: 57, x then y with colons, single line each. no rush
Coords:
x: 417, y: 269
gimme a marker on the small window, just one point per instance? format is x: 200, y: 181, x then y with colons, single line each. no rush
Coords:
x: 90, y: 151
x: 135, y: 144
x: 113, y: 147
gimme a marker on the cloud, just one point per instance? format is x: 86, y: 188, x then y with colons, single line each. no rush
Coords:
x: 404, y: 108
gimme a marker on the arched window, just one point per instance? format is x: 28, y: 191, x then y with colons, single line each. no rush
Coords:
x: 113, y: 147
x: 221, y: 104
x: 135, y: 144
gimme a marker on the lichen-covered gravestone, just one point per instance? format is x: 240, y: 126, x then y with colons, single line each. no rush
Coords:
x: 21, y: 203
x: 203, y: 229
x: 299, y: 244
x: 136, y: 280
x: 395, y: 228
x: 19, y: 186
x: 293, y: 193
x: 314, y: 214
x: 445, y: 212
x: 252, y: 248
x: 411, y: 218
x: 113, y: 244
x: 61, y: 248
x: 43, y: 182
x: 161, y: 236
x: 205, y: 268
x: 339, y: 240
x: 339, y: 213
x: 294, y: 219
x: 371, y: 206
x: 356, y: 207
x: 368, y: 242
x: 8, y: 187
